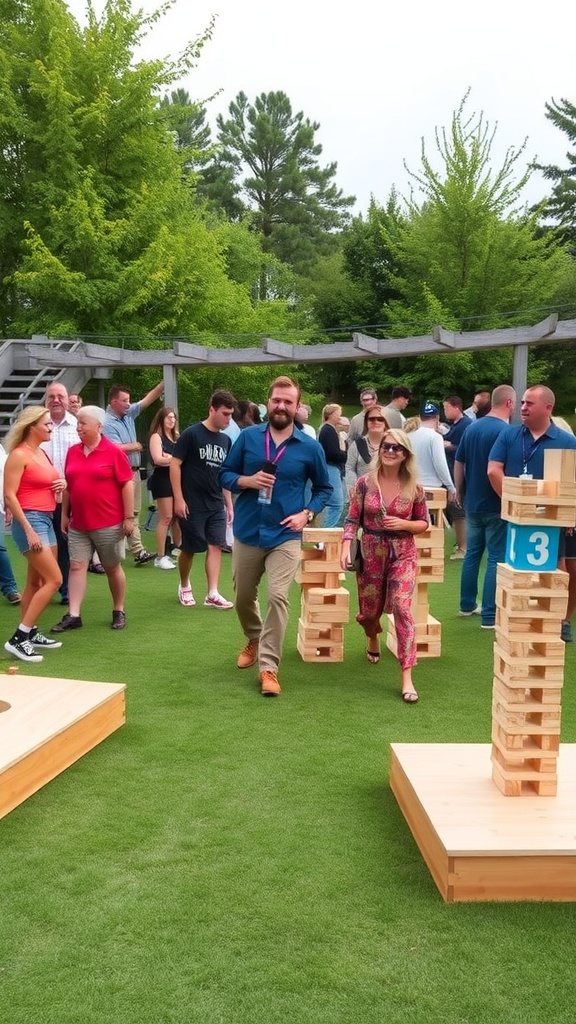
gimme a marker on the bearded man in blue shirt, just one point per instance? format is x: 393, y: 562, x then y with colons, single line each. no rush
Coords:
x: 268, y: 467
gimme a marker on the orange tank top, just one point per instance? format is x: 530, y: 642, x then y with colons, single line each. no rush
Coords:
x: 35, y: 492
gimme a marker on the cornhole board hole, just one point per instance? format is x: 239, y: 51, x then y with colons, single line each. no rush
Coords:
x: 48, y: 724
x: 477, y: 843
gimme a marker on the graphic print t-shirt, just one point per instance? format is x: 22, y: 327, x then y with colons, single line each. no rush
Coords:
x: 202, y: 452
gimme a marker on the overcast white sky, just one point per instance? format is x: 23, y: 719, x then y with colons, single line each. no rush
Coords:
x: 379, y: 79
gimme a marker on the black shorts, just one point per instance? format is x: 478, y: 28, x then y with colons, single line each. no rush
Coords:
x: 203, y: 527
x: 159, y: 483
x: 567, y: 546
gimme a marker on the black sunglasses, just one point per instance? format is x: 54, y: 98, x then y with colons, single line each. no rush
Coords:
x: 376, y: 419
x: 386, y: 446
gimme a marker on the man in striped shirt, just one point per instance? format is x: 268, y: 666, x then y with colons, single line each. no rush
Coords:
x: 63, y: 436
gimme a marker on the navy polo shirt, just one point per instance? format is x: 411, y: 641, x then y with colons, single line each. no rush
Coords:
x: 516, y: 448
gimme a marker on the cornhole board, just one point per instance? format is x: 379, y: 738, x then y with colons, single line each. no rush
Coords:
x: 477, y: 843
x: 48, y: 724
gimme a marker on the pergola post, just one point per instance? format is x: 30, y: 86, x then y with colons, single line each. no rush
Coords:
x: 519, y: 376
x: 170, y: 375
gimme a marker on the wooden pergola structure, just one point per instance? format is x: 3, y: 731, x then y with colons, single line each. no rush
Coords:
x: 98, y: 360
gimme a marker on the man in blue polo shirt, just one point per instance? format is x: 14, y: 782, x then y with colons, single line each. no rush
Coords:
x: 268, y: 467
x: 520, y: 450
x: 120, y: 428
x: 485, y: 530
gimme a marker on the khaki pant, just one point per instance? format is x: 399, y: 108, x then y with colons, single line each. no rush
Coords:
x: 248, y: 566
x: 134, y: 541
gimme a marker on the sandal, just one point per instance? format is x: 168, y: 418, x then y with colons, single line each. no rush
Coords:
x: 373, y: 656
x: 409, y: 696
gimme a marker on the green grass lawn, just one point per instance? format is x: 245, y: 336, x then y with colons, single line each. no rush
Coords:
x: 225, y: 859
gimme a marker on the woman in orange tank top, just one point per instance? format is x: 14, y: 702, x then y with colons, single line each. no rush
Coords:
x: 32, y: 486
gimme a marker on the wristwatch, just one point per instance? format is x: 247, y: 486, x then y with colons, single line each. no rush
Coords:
x: 310, y: 515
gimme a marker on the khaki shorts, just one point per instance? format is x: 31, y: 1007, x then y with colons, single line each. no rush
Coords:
x: 110, y: 543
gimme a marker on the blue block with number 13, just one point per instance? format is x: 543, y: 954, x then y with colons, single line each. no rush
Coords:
x: 532, y: 548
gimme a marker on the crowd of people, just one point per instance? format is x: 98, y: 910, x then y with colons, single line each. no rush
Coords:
x: 248, y: 479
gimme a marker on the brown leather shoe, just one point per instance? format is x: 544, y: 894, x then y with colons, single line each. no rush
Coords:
x: 248, y: 655
x: 269, y: 685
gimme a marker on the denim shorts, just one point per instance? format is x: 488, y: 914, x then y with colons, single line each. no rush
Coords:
x: 42, y: 523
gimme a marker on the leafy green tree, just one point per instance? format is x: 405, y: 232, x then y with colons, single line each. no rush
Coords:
x: 101, y: 235
x: 560, y: 207
x: 468, y: 258
x: 273, y: 155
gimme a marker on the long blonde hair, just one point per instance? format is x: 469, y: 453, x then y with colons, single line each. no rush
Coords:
x: 20, y: 430
x: 407, y: 471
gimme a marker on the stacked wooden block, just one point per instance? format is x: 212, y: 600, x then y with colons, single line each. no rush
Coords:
x: 325, y: 603
x: 430, y: 547
x: 531, y: 597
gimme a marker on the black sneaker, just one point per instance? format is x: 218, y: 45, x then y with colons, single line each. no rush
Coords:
x: 118, y: 620
x: 143, y: 556
x: 20, y: 646
x: 67, y: 622
x: 40, y: 642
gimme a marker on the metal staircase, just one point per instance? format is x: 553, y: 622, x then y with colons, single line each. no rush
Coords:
x: 22, y: 383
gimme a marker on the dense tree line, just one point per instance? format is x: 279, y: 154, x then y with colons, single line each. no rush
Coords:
x: 122, y: 215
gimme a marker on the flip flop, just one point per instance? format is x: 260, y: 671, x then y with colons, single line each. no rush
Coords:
x: 373, y: 657
x: 409, y: 696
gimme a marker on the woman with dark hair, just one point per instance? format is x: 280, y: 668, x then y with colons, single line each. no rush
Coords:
x: 162, y: 441
x: 363, y: 450
x: 335, y: 452
x: 248, y: 414
x: 32, y: 486
x: 388, y: 504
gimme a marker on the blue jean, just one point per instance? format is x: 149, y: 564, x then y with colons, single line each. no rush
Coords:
x: 333, y: 509
x: 8, y: 584
x: 485, y: 531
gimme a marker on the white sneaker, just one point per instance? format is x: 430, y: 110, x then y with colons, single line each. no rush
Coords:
x: 217, y: 602
x: 466, y: 615
x: 164, y: 563
x: 185, y: 596
x: 458, y: 555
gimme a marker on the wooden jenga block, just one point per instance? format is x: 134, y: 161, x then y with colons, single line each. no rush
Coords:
x: 543, y: 510
x: 338, y: 597
x: 319, y: 579
x: 323, y: 651
x: 314, y: 561
x: 523, y: 696
x: 529, y: 604
x: 310, y: 634
x: 534, y: 652
x: 560, y: 464
x: 430, y: 573
x: 525, y: 625
x: 312, y: 535
x: 520, y: 722
x: 420, y: 604
x: 507, y: 786
x: 426, y: 646
x: 539, y: 584
x: 435, y: 497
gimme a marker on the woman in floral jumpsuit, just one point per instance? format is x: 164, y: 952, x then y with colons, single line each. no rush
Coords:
x: 389, y: 505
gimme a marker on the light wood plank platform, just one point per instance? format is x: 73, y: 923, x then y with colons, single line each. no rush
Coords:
x: 477, y: 843
x: 49, y: 724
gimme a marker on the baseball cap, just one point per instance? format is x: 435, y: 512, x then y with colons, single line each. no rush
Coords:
x: 429, y: 409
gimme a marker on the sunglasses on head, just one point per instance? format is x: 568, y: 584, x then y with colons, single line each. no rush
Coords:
x: 387, y: 446
x: 376, y: 419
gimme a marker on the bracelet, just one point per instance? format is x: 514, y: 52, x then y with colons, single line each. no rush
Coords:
x: 129, y: 517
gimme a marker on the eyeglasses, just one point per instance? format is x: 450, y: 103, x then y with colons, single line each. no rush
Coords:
x: 376, y: 419
x: 395, y: 449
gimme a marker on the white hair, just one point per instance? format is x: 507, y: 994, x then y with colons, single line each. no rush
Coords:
x: 93, y: 412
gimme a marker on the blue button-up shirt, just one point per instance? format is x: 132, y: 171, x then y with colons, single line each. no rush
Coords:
x: 122, y: 430
x: 302, y: 460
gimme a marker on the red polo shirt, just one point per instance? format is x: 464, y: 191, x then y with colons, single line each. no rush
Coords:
x: 95, y: 484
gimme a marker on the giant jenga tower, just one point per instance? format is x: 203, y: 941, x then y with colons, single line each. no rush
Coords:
x: 531, y: 596
x: 325, y: 603
x: 430, y: 547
